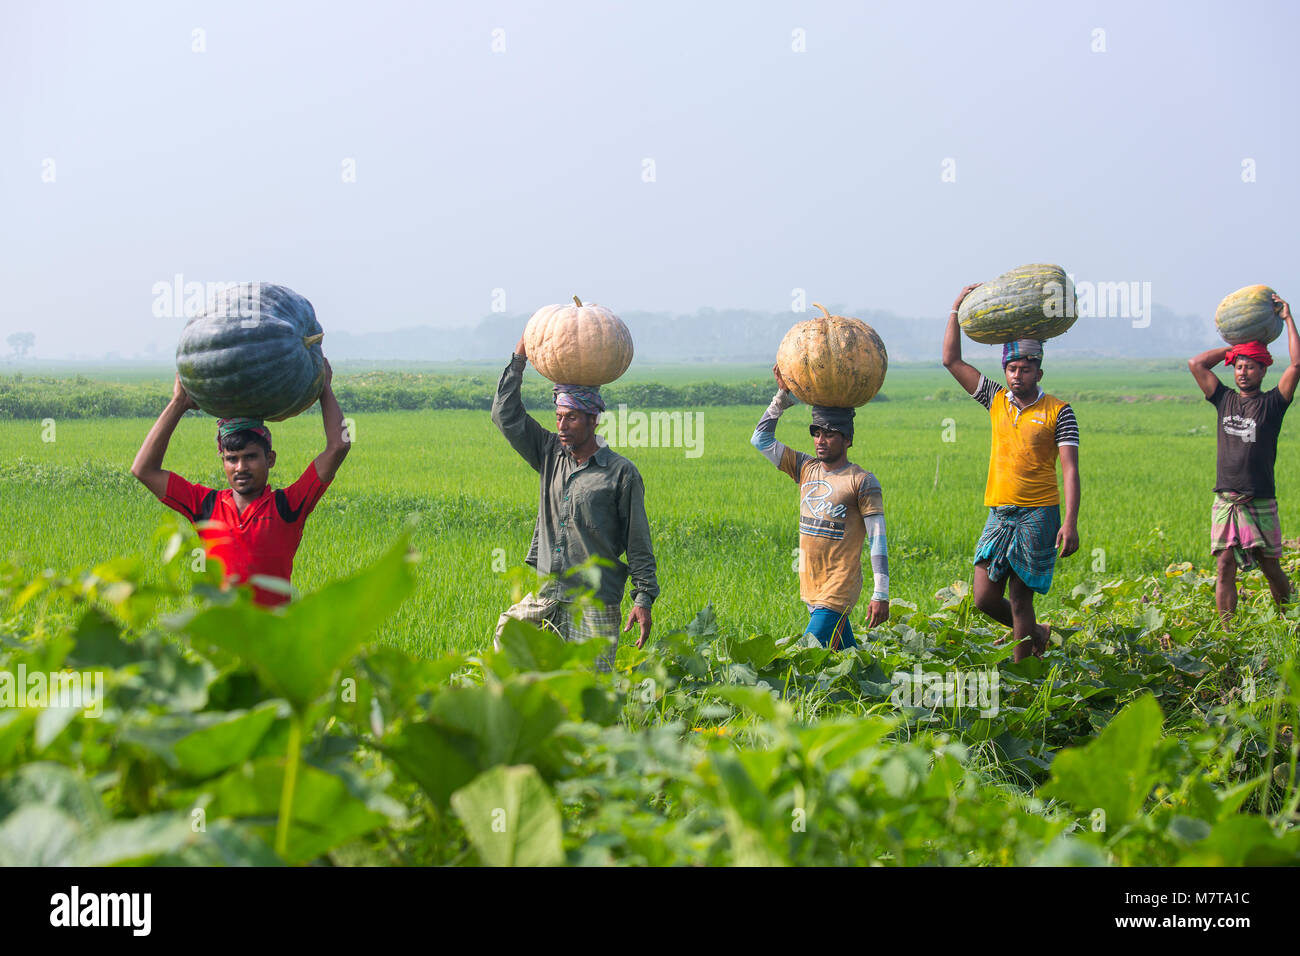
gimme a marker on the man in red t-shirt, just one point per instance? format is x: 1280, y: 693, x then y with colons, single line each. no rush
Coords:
x: 251, y: 528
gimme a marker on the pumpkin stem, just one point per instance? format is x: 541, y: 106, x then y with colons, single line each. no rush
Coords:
x: 825, y: 314
x: 577, y: 302
x: 309, y: 340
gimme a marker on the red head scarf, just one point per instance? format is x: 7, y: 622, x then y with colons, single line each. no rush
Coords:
x: 1250, y: 350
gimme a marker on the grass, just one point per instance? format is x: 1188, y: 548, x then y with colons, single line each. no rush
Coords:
x: 724, y: 523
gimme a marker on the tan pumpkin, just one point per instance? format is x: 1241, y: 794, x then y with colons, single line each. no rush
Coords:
x: 578, y: 344
x: 1247, y: 315
x: 832, y: 360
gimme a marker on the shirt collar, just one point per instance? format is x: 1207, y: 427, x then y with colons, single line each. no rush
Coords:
x: 601, y: 456
x: 252, y: 506
x: 267, y: 490
x: 1011, y: 399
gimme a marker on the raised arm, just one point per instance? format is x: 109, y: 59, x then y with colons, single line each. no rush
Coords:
x: 147, y: 466
x: 1202, y: 368
x: 764, y: 437
x: 967, y: 375
x: 338, y: 441
x: 525, y: 435
x: 1291, y: 374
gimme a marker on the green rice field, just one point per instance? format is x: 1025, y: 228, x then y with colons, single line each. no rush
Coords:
x: 724, y: 522
x: 374, y: 723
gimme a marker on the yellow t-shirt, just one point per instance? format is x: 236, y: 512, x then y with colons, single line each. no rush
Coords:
x: 1022, y: 461
x: 832, y: 505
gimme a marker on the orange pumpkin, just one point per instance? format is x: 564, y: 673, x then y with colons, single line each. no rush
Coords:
x: 833, y: 360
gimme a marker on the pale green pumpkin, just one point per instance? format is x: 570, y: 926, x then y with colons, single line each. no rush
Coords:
x: 1029, y: 302
x: 1247, y: 315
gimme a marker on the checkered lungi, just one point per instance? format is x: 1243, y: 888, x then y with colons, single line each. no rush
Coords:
x: 557, y: 616
x: 1246, y: 525
x: 1022, y: 540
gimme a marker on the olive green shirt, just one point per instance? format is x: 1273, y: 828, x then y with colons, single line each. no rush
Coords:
x: 596, y: 508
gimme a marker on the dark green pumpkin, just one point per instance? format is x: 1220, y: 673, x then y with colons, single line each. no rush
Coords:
x: 254, y: 352
x: 1248, y: 315
x: 1029, y: 302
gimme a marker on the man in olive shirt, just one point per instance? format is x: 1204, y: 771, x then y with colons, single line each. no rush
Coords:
x: 592, y: 503
x: 1244, y: 526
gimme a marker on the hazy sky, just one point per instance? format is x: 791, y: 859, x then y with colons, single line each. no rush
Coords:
x: 136, y: 148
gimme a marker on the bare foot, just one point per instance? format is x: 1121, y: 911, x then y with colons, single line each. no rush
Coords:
x: 1033, y: 645
x: 1041, y: 642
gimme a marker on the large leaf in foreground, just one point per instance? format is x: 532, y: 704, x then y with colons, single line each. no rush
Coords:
x: 53, y: 786
x: 757, y: 652
x: 1115, y: 772
x: 438, y: 757
x: 51, y: 816
x: 38, y: 835
x: 213, y: 749
x: 508, y: 722
x: 325, y: 814
x: 530, y: 648
x: 297, y: 652
x: 510, y: 817
x: 44, y: 836
x: 1244, y: 840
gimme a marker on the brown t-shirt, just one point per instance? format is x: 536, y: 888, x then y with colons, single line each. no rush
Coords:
x: 832, y: 506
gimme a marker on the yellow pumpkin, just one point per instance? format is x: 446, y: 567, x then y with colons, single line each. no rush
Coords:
x: 833, y: 360
x: 578, y: 344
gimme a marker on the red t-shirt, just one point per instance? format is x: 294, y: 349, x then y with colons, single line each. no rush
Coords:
x: 263, y: 540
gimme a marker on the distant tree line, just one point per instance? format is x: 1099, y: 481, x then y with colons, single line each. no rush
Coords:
x: 81, y: 397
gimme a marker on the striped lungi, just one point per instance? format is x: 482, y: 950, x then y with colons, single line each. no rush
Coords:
x: 557, y: 616
x: 1022, y: 540
x: 1246, y: 525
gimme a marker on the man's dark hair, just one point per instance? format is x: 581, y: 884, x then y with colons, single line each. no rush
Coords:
x: 238, y: 441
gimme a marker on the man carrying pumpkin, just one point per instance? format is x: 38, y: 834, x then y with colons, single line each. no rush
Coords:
x: 1024, y: 534
x: 1244, y: 527
x: 592, y: 504
x: 251, y: 528
x: 841, y: 509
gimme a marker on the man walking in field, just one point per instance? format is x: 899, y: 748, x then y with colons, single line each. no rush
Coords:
x: 1244, y: 527
x: 251, y: 528
x: 592, y: 504
x: 841, y: 508
x: 1016, y: 555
